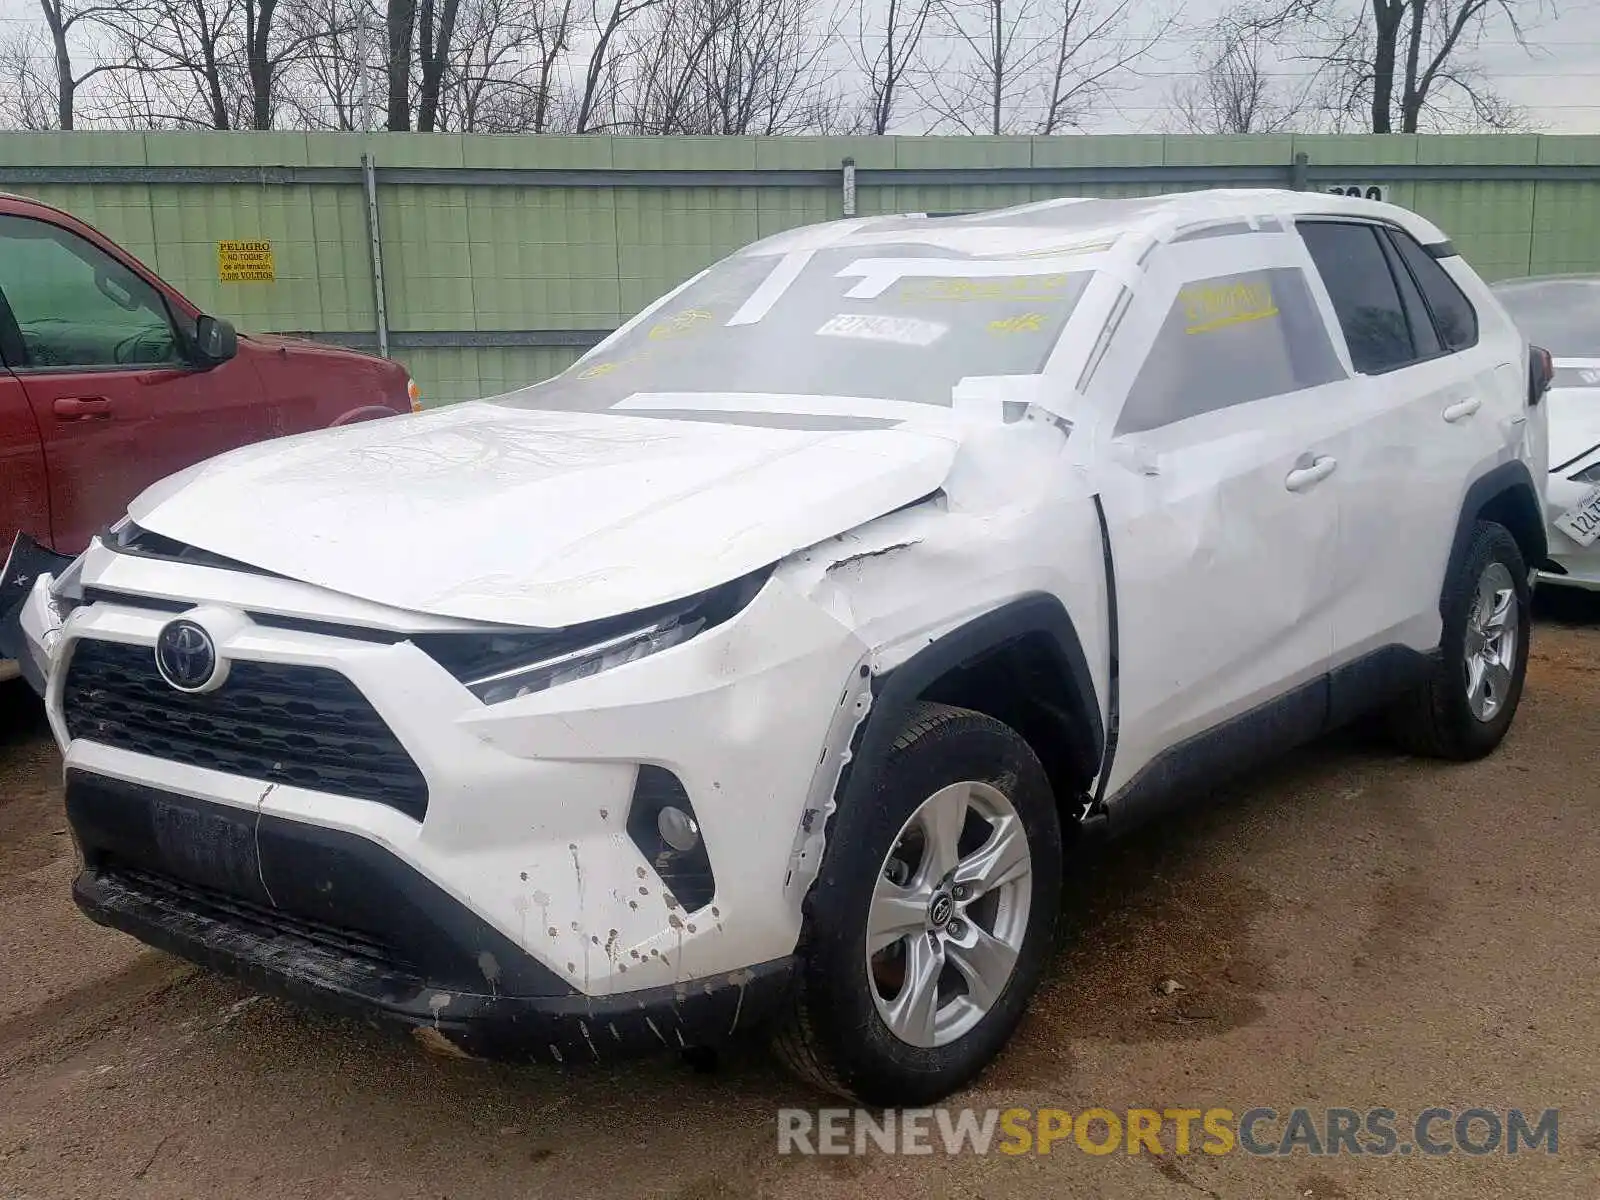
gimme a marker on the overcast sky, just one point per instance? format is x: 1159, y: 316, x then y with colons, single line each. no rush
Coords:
x: 1556, y: 81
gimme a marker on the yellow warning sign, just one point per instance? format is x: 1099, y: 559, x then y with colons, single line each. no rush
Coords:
x: 246, y: 262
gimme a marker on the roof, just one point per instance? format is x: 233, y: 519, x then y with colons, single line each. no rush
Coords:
x: 1087, y: 225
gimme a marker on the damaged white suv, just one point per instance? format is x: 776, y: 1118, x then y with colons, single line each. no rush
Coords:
x: 761, y: 669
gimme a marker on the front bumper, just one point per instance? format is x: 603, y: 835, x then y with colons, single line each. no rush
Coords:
x: 1571, y: 565
x: 26, y: 564
x: 526, y: 824
x: 329, y: 921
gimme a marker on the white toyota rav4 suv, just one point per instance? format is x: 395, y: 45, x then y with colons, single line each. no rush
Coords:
x: 761, y: 669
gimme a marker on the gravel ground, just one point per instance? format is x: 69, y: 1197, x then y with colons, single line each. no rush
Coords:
x: 1350, y: 928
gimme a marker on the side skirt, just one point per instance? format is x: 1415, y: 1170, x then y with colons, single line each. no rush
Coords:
x: 1193, y: 767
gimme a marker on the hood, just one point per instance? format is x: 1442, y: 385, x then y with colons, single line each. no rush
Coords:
x: 287, y: 341
x: 520, y: 516
x: 1573, y: 416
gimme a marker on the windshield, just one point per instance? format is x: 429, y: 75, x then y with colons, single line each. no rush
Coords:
x: 1561, y: 315
x: 887, y: 321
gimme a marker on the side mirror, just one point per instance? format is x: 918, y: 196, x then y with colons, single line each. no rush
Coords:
x: 215, y: 340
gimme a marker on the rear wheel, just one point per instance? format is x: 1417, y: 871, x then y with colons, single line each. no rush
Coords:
x: 932, y: 917
x: 1464, y: 710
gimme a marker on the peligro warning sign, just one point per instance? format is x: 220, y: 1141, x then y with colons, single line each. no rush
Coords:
x: 246, y: 262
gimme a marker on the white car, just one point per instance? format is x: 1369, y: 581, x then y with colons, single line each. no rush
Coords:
x: 1562, y: 314
x: 761, y: 669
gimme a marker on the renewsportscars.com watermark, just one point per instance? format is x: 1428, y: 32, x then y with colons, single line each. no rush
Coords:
x: 1266, y: 1132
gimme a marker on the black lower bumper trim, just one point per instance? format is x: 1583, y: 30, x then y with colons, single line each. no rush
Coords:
x: 561, y: 1029
x: 331, y: 921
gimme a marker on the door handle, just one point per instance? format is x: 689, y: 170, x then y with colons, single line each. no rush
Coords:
x: 1309, y: 475
x: 1462, y: 409
x: 81, y: 408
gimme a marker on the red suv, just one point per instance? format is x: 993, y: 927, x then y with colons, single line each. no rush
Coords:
x: 112, y: 380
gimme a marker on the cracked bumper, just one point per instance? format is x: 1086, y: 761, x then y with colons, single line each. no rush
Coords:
x: 256, y: 900
x: 528, y: 801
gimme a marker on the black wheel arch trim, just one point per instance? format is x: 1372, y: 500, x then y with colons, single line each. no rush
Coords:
x: 896, y: 692
x: 1513, y: 482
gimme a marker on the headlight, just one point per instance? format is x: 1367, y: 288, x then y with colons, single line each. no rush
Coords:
x: 414, y: 394
x: 502, y: 666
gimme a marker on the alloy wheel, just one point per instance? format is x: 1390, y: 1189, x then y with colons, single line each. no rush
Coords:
x: 948, y: 914
x: 1491, y: 642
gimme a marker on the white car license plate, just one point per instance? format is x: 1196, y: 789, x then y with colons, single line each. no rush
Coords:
x: 1581, y: 522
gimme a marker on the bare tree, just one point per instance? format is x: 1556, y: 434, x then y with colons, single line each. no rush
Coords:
x: 401, y: 24
x: 206, y: 63
x: 28, y: 97
x: 552, y: 39
x: 1036, y: 66
x: 502, y: 68
x: 978, y: 91
x: 338, y: 80
x: 766, y: 73
x: 600, y: 75
x: 1091, y: 45
x: 436, y: 21
x: 668, y: 53
x: 887, y: 53
x: 64, y: 22
x: 179, y: 55
x: 1374, y: 59
x: 726, y: 67
x: 1235, y: 88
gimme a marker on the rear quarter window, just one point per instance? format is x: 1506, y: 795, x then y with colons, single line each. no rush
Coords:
x: 1453, y: 313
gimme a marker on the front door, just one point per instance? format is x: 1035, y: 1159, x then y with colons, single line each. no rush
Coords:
x: 1221, y: 509
x: 108, y: 375
x: 24, y: 502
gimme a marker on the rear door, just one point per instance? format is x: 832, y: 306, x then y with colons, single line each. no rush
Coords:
x: 1221, y: 506
x: 103, y: 359
x: 1435, y: 405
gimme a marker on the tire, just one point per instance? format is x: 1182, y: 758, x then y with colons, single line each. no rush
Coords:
x: 837, y: 1034
x: 1446, y: 717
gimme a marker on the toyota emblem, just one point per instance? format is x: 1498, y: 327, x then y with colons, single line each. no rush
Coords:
x: 187, y: 657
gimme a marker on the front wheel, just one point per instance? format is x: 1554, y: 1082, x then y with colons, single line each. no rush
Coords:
x: 1463, y: 711
x: 932, y: 918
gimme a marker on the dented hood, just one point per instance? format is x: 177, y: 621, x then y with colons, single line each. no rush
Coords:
x: 538, y: 518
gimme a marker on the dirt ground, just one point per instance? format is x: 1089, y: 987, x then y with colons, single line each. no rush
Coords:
x: 1350, y: 928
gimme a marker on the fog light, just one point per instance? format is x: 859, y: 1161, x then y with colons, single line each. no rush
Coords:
x: 678, y: 830
x: 662, y: 823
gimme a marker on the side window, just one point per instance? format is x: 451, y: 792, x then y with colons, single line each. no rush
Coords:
x: 1456, y: 318
x: 74, y: 305
x: 1230, y: 340
x: 1351, y: 261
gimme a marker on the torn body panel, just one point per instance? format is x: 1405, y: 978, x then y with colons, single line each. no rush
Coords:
x: 28, y: 613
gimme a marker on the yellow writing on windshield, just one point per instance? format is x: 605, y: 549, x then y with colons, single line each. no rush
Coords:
x: 679, y: 324
x: 1029, y: 322
x: 1010, y: 287
x: 1208, y: 307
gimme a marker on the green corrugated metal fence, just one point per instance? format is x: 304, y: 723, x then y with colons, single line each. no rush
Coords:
x: 503, y: 256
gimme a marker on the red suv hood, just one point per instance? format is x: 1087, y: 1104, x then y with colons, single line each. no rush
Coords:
x: 322, y: 384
